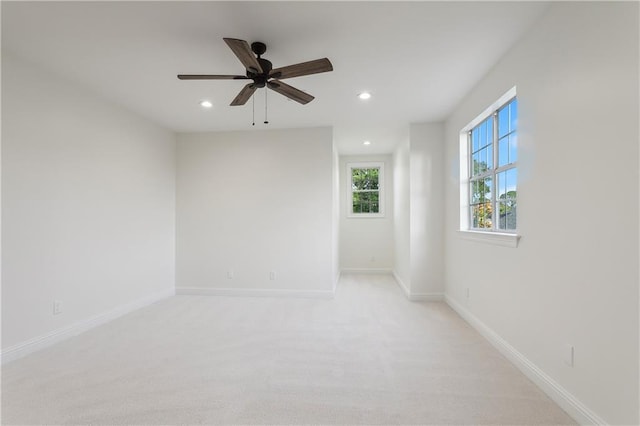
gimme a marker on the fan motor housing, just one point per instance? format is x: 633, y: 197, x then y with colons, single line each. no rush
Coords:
x: 260, y: 80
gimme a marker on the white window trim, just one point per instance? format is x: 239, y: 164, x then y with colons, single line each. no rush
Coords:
x: 381, y: 183
x: 496, y: 237
x: 490, y: 237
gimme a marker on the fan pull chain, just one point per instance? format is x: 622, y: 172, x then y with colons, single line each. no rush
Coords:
x: 253, y: 107
x: 265, y: 106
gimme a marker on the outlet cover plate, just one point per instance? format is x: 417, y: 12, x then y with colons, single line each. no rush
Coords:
x: 57, y: 307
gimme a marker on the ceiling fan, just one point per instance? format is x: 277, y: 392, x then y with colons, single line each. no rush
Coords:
x: 262, y: 73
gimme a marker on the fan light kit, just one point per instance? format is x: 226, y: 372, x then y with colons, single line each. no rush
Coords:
x: 366, y: 143
x: 263, y: 74
x: 364, y: 95
x: 206, y: 104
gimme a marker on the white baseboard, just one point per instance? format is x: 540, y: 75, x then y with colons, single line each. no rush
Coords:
x: 426, y: 297
x: 561, y: 396
x: 401, y: 283
x: 417, y: 297
x: 382, y: 271
x: 37, y: 343
x: 255, y: 292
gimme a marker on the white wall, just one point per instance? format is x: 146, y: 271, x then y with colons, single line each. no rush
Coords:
x: 426, y: 168
x: 419, y: 210
x: 87, y: 205
x: 401, y: 215
x: 336, y: 215
x: 573, y: 280
x: 253, y: 202
x: 366, y: 243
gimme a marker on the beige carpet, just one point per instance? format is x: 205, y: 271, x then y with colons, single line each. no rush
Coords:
x: 367, y: 357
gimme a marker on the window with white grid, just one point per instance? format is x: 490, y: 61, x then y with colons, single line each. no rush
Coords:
x: 492, y: 173
x: 366, y: 189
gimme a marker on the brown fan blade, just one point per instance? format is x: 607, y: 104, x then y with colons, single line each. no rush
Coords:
x: 290, y: 92
x: 211, y: 77
x: 244, y: 95
x: 243, y: 51
x: 303, y: 68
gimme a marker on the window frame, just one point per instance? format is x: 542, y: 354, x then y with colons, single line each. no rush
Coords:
x: 381, y: 184
x: 494, y: 235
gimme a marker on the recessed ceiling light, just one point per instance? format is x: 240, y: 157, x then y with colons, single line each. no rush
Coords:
x: 364, y: 95
x: 366, y: 143
x: 206, y: 104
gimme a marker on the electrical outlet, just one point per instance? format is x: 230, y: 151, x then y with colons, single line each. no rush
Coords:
x: 230, y: 275
x: 57, y: 307
x: 569, y: 352
x: 272, y: 275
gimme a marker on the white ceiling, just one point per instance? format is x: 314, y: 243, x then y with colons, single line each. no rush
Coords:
x: 418, y: 59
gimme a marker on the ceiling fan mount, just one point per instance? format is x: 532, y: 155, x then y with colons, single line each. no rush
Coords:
x: 263, y: 74
x: 258, y: 48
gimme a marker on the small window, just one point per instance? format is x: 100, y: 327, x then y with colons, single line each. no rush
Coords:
x: 366, y: 181
x: 491, y: 176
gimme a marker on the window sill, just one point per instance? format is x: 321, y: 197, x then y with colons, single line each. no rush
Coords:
x: 495, y: 238
x: 365, y: 216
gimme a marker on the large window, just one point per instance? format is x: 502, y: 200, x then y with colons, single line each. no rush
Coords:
x: 492, y: 169
x: 365, y: 189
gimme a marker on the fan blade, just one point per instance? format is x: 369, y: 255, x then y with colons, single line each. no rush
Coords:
x: 290, y: 92
x: 303, y: 68
x: 244, y: 95
x: 243, y: 51
x: 211, y: 77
